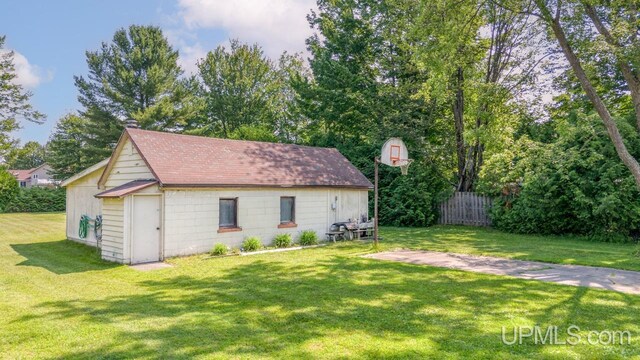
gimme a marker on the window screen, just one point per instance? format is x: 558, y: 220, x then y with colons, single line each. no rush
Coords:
x: 228, y: 212
x: 287, y: 209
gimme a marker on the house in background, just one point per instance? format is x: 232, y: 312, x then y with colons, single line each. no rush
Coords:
x: 163, y: 194
x: 38, y: 176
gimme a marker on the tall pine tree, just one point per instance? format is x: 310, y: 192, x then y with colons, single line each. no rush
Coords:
x: 135, y: 76
x: 65, y: 150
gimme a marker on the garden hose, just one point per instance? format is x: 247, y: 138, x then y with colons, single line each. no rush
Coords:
x: 97, y: 227
x: 85, y: 224
x: 83, y: 231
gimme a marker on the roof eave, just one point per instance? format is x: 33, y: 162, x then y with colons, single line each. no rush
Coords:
x: 275, y: 186
x: 85, y: 172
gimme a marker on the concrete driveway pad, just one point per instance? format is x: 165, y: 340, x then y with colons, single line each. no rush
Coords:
x: 574, y: 275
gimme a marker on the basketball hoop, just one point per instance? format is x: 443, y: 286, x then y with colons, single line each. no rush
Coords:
x: 395, y: 154
x: 404, y: 165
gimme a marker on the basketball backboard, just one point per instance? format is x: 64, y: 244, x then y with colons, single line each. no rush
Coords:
x: 394, y: 152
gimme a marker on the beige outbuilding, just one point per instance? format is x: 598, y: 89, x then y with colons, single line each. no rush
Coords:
x: 163, y: 194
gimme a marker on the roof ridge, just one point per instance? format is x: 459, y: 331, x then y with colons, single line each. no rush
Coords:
x: 225, y: 139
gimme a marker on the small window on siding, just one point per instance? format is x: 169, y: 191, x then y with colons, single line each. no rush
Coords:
x: 228, y: 213
x: 287, y: 210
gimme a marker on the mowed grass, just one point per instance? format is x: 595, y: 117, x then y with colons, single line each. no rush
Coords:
x: 58, y: 301
x: 489, y: 242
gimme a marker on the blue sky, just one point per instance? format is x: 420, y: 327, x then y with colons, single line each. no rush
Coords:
x: 50, y: 38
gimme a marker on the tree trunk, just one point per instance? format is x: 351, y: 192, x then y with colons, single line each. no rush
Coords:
x: 601, y: 109
x: 458, y: 118
x: 633, y: 83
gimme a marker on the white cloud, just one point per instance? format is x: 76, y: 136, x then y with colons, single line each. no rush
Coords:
x: 277, y: 25
x: 28, y: 75
x: 189, y: 57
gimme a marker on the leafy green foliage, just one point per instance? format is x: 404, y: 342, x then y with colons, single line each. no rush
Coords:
x: 247, y: 95
x: 31, y: 155
x: 411, y: 200
x: 65, y: 150
x: 9, y: 188
x: 363, y: 91
x: 219, y: 249
x: 135, y: 76
x: 38, y: 199
x: 575, y: 185
x: 282, y: 240
x: 14, y: 100
x: 308, y: 237
x: 251, y: 243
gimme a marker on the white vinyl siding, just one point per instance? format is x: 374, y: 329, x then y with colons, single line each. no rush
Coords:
x: 128, y: 166
x: 112, y: 230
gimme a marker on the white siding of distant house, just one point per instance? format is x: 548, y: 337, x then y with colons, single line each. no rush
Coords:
x: 41, y: 177
x: 81, y: 201
x: 128, y: 166
x: 191, y: 216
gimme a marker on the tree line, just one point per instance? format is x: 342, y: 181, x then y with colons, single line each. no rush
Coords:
x: 459, y: 81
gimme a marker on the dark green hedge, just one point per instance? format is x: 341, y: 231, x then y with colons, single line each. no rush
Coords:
x: 37, y: 200
x: 577, y: 185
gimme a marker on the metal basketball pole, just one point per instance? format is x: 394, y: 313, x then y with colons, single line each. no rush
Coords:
x: 375, y: 202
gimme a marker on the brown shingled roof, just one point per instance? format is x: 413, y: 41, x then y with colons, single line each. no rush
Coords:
x: 21, y: 175
x: 195, y: 161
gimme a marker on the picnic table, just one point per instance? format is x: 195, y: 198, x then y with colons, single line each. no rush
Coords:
x: 350, y: 230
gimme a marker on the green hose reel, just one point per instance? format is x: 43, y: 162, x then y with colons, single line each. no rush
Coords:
x: 86, y: 223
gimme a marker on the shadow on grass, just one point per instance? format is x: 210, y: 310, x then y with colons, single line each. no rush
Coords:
x: 61, y: 257
x: 491, y: 242
x: 337, y: 307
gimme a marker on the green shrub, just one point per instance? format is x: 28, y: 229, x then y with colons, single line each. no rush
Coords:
x: 251, y: 243
x: 308, y: 237
x: 37, y: 199
x: 219, y: 249
x: 8, y: 189
x: 282, y: 240
x: 584, y: 191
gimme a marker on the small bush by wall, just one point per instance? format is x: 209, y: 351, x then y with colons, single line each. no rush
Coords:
x: 219, y: 249
x: 252, y: 243
x: 37, y: 199
x: 308, y: 237
x: 282, y: 240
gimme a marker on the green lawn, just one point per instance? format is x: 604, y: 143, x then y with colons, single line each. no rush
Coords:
x: 482, y: 241
x: 58, y: 301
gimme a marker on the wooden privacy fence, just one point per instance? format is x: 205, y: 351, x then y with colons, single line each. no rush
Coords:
x: 466, y: 208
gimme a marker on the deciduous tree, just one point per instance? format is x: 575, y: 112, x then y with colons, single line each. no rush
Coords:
x: 14, y: 100
x: 246, y: 93
x: 29, y: 156
x: 554, y: 19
